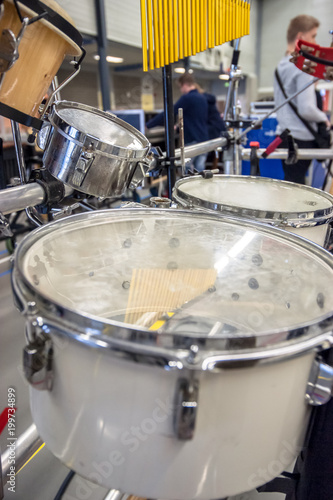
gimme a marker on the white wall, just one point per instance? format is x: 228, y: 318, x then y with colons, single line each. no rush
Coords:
x: 122, y: 19
x: 248, y: 44
x: 275, y: 20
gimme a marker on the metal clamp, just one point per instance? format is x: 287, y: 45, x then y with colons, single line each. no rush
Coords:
x: 186, y: 408
x: 320, y: 384
x: 292, y: 151
x: 37, y: 358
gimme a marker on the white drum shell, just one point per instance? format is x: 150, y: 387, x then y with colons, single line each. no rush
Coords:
x: 253, y: 198
x: 112, y: 420
x: 318, y: 234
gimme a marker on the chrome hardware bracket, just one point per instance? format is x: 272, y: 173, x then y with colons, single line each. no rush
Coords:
x: 320, y: 384
x: 44, y: 109
x: 37, y: 358
x: 4, y: 226
x: 186, y: 407
x: 83, y: 165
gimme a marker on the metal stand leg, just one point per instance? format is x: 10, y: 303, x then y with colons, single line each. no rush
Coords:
x: 25, y: 446
x: 169, y: 125
x: 31, y: 213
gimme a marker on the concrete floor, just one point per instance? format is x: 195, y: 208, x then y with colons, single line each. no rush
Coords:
x: 41, y: 478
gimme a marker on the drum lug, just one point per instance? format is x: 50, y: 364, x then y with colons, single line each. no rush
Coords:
x: 186, y: 408
x: 83, y: 165
x: 37, y: 360
x: 320, y: 384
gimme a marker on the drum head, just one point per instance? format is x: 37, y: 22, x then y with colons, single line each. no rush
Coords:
x: 75, y: 119
x: 189, y: 274
x: 257, y: 197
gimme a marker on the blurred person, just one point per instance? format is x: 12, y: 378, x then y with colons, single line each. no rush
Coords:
x: 195, y: 112
x: 292, y: 80
x: 215, y: 123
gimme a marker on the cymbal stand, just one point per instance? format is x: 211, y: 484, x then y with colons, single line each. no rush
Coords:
x: 169, y: 125
x: 231, y: 156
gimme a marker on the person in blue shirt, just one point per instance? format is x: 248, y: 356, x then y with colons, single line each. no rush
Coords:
x: 195, y: 112
x: 215, y: 124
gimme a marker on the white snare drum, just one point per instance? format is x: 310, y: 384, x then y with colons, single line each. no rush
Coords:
x: 93, y: 151
x: 171, y: 353
x: 300, y: 209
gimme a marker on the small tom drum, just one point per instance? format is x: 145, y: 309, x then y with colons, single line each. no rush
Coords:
x: 300, y: 209
x: 93, y: 151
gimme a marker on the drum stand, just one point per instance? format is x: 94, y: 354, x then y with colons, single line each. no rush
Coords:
x: 169, y: 126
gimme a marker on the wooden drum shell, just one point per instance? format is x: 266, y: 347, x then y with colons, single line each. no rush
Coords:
x: 41, y: 52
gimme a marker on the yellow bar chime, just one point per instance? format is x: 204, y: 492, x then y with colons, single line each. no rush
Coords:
x: 174, y: 29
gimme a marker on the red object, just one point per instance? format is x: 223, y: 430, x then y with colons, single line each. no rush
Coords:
x: 272, y: 147
x: 5, y: 416
x: 254, y: 144
x: 313, y: 68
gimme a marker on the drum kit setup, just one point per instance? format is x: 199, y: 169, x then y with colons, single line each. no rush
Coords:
x: 171, y: 353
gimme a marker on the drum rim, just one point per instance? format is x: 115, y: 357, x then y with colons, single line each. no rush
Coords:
x: 281, y: 219
x: 126, y: 339
x: 100, y: 147
x: 74, y: 41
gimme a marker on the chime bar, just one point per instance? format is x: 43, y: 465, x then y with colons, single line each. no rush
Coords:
x: 160, y: 31
x: 189, y: 33
x: 166, y: 31
x: 171, y: 39
x: 156, y: 35
x: 174, y: 29
x: 180, y: 29
x: 144, y: 36
x: 150, y: 34
x: 194, y: 28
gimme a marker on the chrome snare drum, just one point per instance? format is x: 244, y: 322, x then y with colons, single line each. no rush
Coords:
x: 93, y: 151
x: 300, y: 209
x: 173, y: 345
